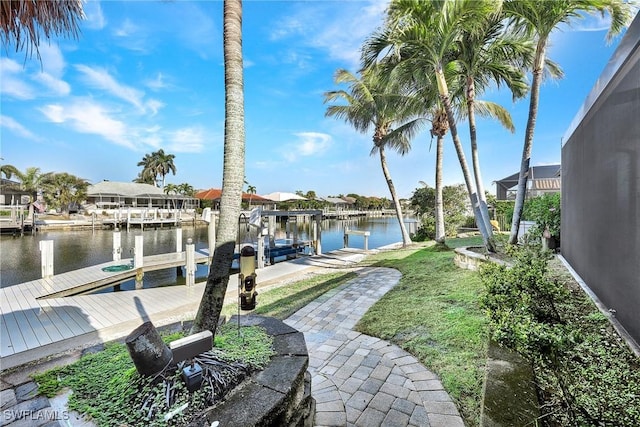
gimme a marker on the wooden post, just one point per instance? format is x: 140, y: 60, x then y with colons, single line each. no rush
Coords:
x: 46, y: 247
x: 191, y: 263
x: 345, y: 238
x: 178, y: 240
x: 117, y: 243
x: 138, y: 252
x: 272, y: 231
x: 149, y: 353
x: 260, y: 249
x: 318, y: 234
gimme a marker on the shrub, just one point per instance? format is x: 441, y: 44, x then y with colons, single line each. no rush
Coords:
x: 584, y: 373
x: 545, y: 211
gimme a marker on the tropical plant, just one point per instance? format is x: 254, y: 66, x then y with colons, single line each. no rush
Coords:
x: 424, y: 34
x: 154, y: 164
x: 31, y: 180
x: 373, y: 103
x: 251, y: 190
x: 488, y: 55
x: 454, y: 209
x: 23, y: 21
x: 545, y: 211
x: 538, y: 20
x: 232, y: 173
x: 63, y: 190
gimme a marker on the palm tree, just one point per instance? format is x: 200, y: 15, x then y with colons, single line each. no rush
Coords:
x: 23, y: 21
x: 439, y: 128
x: 251, y: 189
x: 538, y: 21
x: 163, y: 164
x: 490, y: 55
x: 148, y: 175
x: 233, y: 171
x: 425, y: 34
x: 8, y: 171
x: 31, y: 180
x: 372, y: 103
x: 154, y: 164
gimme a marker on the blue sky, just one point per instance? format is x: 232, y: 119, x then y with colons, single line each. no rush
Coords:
x: 147, y: 75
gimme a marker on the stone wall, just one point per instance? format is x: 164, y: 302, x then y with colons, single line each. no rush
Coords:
x: 279, y: 395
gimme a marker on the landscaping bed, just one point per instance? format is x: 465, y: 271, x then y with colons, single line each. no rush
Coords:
x: 584, y: 372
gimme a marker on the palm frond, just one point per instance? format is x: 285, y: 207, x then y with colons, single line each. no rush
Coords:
x: 23, y: 22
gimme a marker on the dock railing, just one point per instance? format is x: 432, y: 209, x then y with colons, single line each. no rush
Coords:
x: 348, y: 233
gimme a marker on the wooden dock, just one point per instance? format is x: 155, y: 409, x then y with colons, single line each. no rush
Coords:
x: 37, y: 322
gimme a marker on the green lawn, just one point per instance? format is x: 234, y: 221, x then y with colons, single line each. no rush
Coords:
x: 433, y: 313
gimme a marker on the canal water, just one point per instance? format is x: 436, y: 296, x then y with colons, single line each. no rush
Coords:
x: 20, y: 256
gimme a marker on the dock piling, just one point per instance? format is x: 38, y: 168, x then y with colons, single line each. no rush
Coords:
x: 46, y: 247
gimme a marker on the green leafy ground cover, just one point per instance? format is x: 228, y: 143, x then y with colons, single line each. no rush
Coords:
x: 584, y: 372
x: 108, y: 390
x: 106, y: 386
x: 433, y: 313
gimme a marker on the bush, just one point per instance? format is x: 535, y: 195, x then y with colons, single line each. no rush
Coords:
x: 423, y: 202
x: 545, y: 211
x: 584, y: 373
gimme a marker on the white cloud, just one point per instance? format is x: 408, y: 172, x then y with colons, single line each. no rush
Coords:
x: 94, y: 17
x: 53, y: 62
x: 335, y: 28
x: 308, y: 144
x: 101, y: 79
x: 154, y: 105
x: 12, y: 83
x: 187, y: 140
x: 87, y: 116
x: 157, y: 83
x: 15, y: 127
x: 57, y: 86
x: 127, y: 29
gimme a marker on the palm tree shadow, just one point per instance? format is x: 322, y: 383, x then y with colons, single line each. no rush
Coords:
x: 143, y: 313
x: 41, y: 332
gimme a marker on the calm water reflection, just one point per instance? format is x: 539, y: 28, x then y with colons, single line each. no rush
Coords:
x: 20, y: 256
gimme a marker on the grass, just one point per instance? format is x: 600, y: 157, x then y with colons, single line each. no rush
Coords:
x: 433, y: 313
x: 283, y: 301
x: 107, y: 388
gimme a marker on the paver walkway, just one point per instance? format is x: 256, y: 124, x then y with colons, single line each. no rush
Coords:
x: 359, y: 380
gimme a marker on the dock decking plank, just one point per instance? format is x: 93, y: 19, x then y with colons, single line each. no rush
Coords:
x: 17, y: 341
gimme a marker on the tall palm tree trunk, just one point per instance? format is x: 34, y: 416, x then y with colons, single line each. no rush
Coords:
x: 233, y: 172
x: 475, y: 159
x: 446, y: 103
x: 406, y: 239
x: 440, y: 230
x: 528, y: 140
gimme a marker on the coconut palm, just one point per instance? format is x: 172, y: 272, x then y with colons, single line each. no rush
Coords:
x: 538, y: 19
x: 23, y: 21
x: 490, y: 55
x: 251, y: 190
x: 148, y: 175
x: 163, y: 164
x: 31, y: 180
x: 232, y: 174
x: 425, y: 34
x: 375, y: 104
x: 154, y: 164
